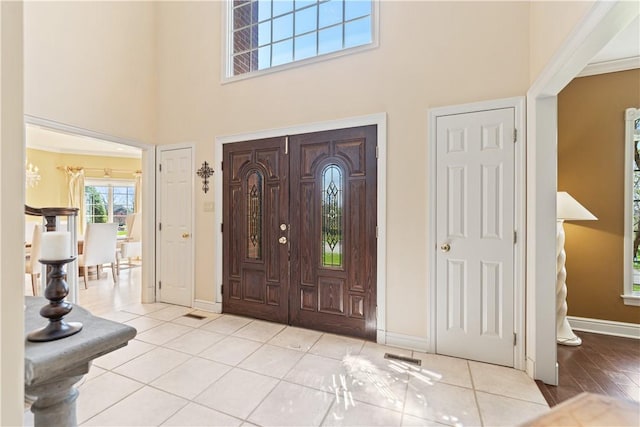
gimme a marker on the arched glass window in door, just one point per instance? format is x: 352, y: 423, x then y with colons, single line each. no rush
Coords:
x: 254, y: 215
x: 331, y: 221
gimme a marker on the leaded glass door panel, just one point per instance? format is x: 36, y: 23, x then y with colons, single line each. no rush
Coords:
x: 256, y: 202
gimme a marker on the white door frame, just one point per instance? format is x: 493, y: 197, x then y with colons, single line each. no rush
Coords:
x: 518, y: 105
x: 148, y: 194
x: 380, y: 120
x: 599, y: 26
x: 159, y: 149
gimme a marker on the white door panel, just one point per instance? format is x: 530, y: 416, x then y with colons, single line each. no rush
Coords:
x: 176, y: 248
x: 475, y: 226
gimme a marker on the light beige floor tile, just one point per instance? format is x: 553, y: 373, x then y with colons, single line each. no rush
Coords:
x: 411, y: 421
x: 292, y: 405
x: 119, y: 316
x: 142, y: 309
x: 271, y: 360
x: 373, y: 383
x: 144, y: 323
x: 505, y: 381
x: 100, y: 393
x: 444, y: 403
x: 94, y: 372
x: 502, y: 411
x: 163, y: 333
x: 296, y: 338
x: 122, y: 355
x: 192, y: 322
x: 191, y: 378
x: 360, y: 414
x: 319, y: 372
x: 438, y: 368
x: 226, y: 324
x: 259, y: 330
x: 237, y: 393
x: 194, y: 342
x: 336, y: 346
x: 152, y: 365
x: 197, y: 415
x: 145, y: 407
x: 231, y: 350
x: 169, y: 313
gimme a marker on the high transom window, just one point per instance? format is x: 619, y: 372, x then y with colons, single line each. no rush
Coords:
x: 269, y: 33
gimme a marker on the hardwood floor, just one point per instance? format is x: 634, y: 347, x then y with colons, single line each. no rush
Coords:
x: 602, y: 364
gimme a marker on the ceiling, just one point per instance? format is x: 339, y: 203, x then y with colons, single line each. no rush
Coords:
x: 625, y: 45
x: 46, y: 139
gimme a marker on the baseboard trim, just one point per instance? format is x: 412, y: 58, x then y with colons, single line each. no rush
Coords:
x: 407, y: 341
x: 213, y: 307
x: 605, y: 327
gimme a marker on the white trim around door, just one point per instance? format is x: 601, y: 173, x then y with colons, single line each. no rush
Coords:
x: 380, y: 120
x: 518, y: 104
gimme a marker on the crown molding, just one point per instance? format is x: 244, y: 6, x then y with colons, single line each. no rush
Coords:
x: 611, y: 66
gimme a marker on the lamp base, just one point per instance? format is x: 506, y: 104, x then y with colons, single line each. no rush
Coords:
x: 565, y: 335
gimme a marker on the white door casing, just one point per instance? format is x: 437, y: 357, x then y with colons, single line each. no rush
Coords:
x: 475, y: 235
x: 175, y: 225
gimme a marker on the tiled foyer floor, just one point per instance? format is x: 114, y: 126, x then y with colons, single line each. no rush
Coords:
x: 230, y: 371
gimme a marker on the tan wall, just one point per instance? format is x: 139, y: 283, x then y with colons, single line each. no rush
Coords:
x: 430, y: 54
x: 591, y: 144
x: 90, y: 64
x: 550, y: 24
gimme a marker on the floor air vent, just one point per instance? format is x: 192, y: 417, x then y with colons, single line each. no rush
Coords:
x: 194, y: 316
x: 403, y: 358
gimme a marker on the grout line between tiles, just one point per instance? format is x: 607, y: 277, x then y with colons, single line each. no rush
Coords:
x: 475, y: 395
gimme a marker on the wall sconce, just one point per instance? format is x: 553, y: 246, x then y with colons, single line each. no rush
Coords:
x: 32, y: 174
x: 205, y: 172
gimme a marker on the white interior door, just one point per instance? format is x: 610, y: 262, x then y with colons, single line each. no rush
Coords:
x: 475, y: 234
x: 175, y: 281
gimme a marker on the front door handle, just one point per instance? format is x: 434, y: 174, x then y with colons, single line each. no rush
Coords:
x: 445, y: 247
x: 282, y: 240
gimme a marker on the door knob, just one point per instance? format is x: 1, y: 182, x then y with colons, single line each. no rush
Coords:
x: 282, y: 240
x: 445, y: 247
x: 283, y: 227
x: 185, y: 235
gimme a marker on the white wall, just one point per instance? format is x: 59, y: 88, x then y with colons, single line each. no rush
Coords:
x: 430, y: 54
x: 11, y: 216
x: 91, y: 65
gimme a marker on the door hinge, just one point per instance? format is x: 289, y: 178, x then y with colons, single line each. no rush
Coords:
x: 160, y: 167
x: 515, y: 135
x: 221, y: 166
x: 515, y: 237
x: 377, y: 152
x: 221, y: 227
x: 515, y: 336
x: 286, y: 144
x: 159, y: 226
x: 221, y: 289
x: 160, y: 284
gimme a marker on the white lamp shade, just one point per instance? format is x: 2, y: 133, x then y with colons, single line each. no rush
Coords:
x: 568, y: 209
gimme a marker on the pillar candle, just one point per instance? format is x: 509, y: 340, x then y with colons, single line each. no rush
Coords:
x: 55, y: 245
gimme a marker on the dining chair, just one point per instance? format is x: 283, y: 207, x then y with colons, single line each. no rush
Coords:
x: 99, y: 248
x: 132, y: 246
x: 33, y: 266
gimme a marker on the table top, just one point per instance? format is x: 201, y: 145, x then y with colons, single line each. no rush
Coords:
x: 47, y: 360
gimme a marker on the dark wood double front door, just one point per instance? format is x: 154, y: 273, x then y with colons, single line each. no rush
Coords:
x: 300, y: 230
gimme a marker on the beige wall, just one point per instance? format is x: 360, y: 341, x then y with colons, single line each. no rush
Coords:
x: 550, y: 24
x: 52, y: 191
x: 430, y: 54
x: 591, y: 150
x: 91, y: 65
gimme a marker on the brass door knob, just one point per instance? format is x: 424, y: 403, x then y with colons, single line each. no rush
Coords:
x: 185, y: 235
x: 445, y: 247
x: 282, y: 240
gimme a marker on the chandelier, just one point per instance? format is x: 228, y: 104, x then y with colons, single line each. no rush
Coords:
x: 32, y: 174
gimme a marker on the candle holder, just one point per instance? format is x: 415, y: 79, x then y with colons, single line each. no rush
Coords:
x: 56, y: 291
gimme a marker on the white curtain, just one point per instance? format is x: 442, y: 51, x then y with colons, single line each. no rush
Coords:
x: 137, y: 207
x: 75, y: 179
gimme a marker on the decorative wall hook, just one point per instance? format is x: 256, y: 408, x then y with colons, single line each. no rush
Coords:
x: 205, y: 172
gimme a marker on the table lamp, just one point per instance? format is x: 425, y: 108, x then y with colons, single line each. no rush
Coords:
x: 568, y: 209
